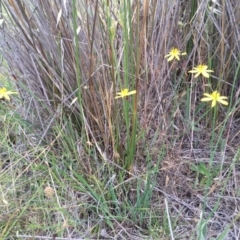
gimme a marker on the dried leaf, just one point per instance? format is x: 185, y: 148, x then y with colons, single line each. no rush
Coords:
x: 1, y: 22
x: 5, y: 201
x: 167, y: 181
x: 73, y: 101
x: 78, y: 29
x: 59, y: 16
x: 49, y: 192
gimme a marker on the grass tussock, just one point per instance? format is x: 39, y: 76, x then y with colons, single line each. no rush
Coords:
x: 126, y: 125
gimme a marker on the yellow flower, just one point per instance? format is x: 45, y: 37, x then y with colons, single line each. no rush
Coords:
x: 124, y: 92
x: 214, y: 97
x: 174, y: 53
x: 4, y: 93
x: 201, y: 69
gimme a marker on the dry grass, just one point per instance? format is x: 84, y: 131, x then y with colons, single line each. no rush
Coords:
x: 64, y: 175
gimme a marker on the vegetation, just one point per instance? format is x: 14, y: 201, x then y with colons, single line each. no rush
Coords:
x: 126, y: 122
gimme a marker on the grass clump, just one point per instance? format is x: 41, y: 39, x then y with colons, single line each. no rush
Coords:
x: 113, y: 133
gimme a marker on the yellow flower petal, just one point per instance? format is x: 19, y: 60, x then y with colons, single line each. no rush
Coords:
x: 214, y: 103
x: 223, y: 102
x: 193, y: 71
x: 207, y: 95
x: 131, y: 92
x: 224, y: 97
x: 205, y: 74
x: 6, y: 97
x: 197, y: 75
x: 177, y: 57
x: 170, y: 58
